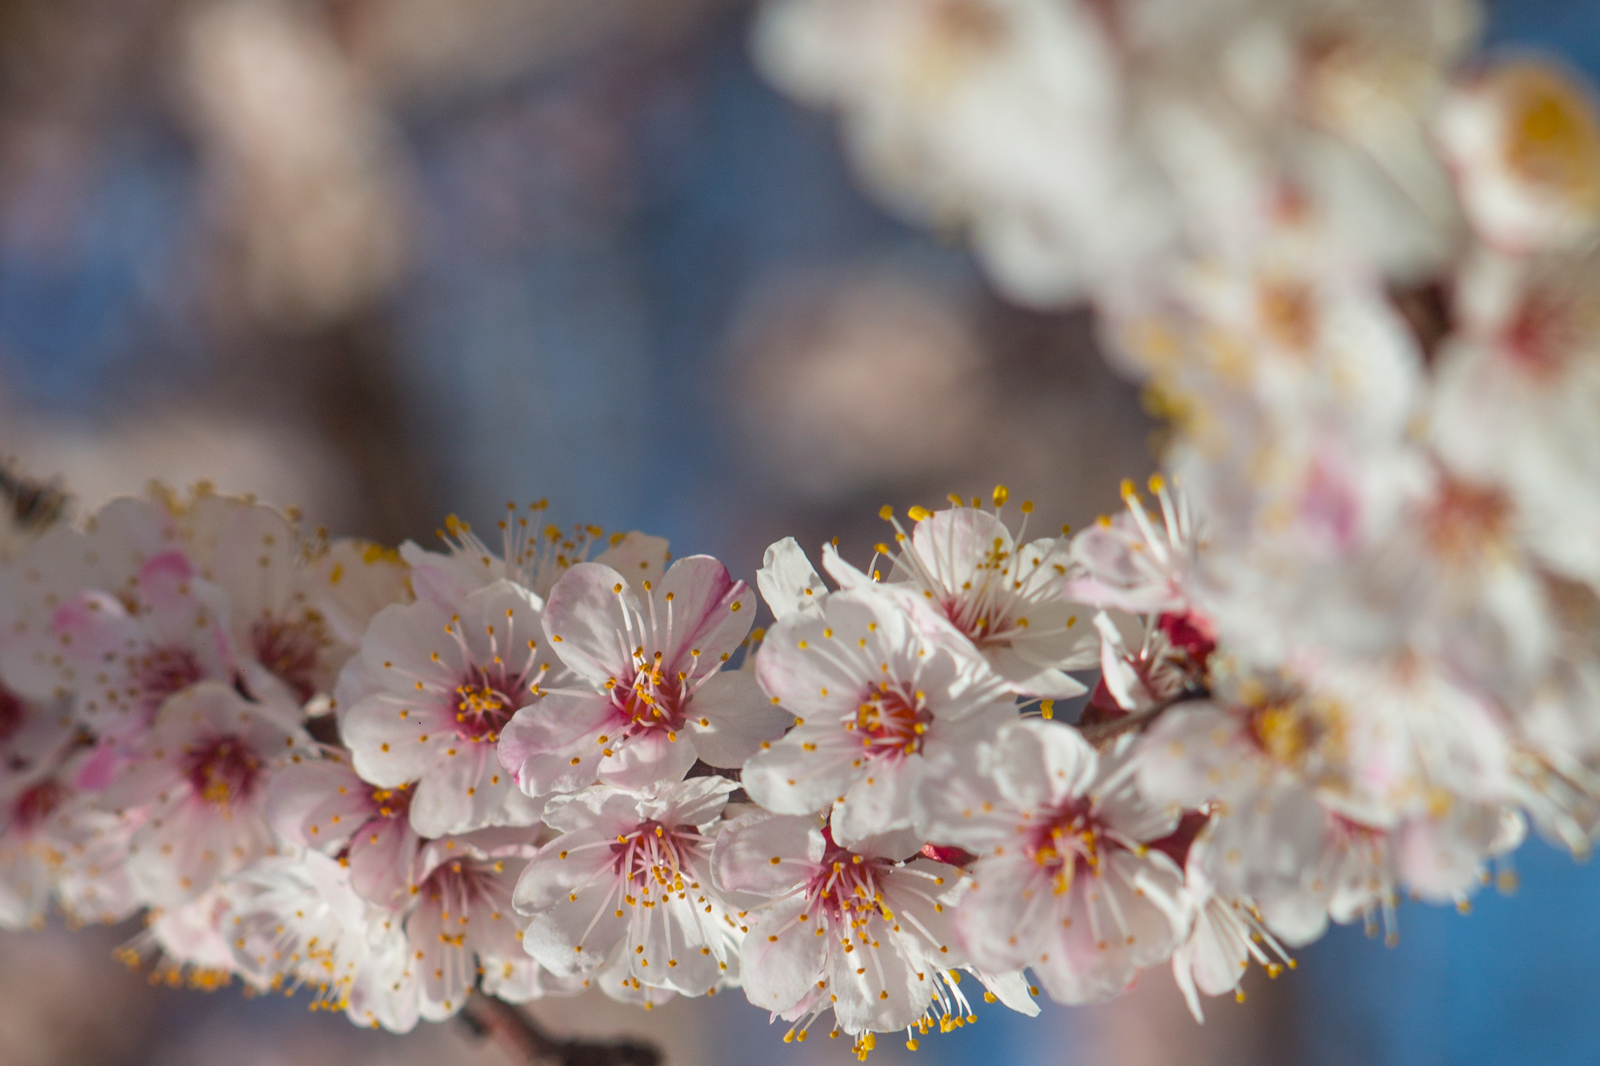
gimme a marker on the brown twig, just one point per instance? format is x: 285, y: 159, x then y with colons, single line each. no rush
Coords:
x: 1101, y: 734
x: 527, y: 1042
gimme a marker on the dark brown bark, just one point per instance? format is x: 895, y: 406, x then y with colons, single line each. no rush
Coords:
x: 526, y: 1041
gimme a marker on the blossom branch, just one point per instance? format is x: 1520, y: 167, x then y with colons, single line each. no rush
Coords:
x: 526, y: 1041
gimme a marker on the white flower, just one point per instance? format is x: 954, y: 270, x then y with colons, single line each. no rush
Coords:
x: 1131, y: 563
x: 295, y: 921
x: 877, y: 698
x: 650, y: 695
x: 1524, y: 145
x: 1010, y: 601
x: 322, y: 804
x: 1007, y: 117
x: 625, y: 889
x: 463, y: 932
x: 1516, y: 389
x: 851, y: 931
x: 1064, y: 883
x: 296, y: 606
x: 429, y: 695
x: 1225, y: 934
x: 197, y: 785
x: 122, y: 655
x: 188, y: 943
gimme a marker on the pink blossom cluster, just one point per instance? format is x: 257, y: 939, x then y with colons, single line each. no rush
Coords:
x: 1343, y: 652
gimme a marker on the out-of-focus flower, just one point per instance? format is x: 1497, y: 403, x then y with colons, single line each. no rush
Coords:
x: 323, y: 805
x: 462, y: 932
x: 1523, y: 142
x: 296, y: 922
x: 197, y: 784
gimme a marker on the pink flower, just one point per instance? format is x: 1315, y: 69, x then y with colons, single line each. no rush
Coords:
x: 1064, y: 882
x: 623, y: 894
x: 877, y: 699
x: 428, y: 696
x: 854, y: 932
x: 295, y: 921
x: 322, y: 804
x: 1008, y: 600
x: 463, y: 929
x: 1133, y: 563
x: 123, y: 656
x: 651, y: 696
x: 196, y: 785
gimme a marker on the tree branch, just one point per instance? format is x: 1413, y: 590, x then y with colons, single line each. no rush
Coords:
x: 527, y: 1042
x: 1101, y: 734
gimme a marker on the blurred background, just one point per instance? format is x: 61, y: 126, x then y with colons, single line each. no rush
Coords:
x: 388, y: 259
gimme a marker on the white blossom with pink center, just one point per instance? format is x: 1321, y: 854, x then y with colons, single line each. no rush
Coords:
x: 1065, y: 883
x: 650, y: 695
x: 1009, y: 600
x: 855, y: 932
x: 623, y: 894
x: 322, y: 804
x: 876, y: 698
x: 196, y: 784
x: 285, y: 591
x: 122, y: 655
x: 429, y: 695
x: 295, y: 921
x: 463, y: 932
x: 1512, y: 407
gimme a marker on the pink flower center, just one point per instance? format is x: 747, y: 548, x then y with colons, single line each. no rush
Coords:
x: 392, y: 802
x: 12, y: 713
x: 36, y: 804
x: 223, y: 771
x: 485, y: 702
x: 1465, y: 521
x: 892, y: 720
x: 846, y: 886
x: 1189, y: 632
x: 1541, y: 336
x: 163, y: 671
x: 651, y: 700
x: 653, y: 858
x: 981, y: 608
x: 1067, y: 843
x: 292, y: 651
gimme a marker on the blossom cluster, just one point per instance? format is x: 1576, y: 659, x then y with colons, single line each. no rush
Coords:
x: 1343, y: 651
